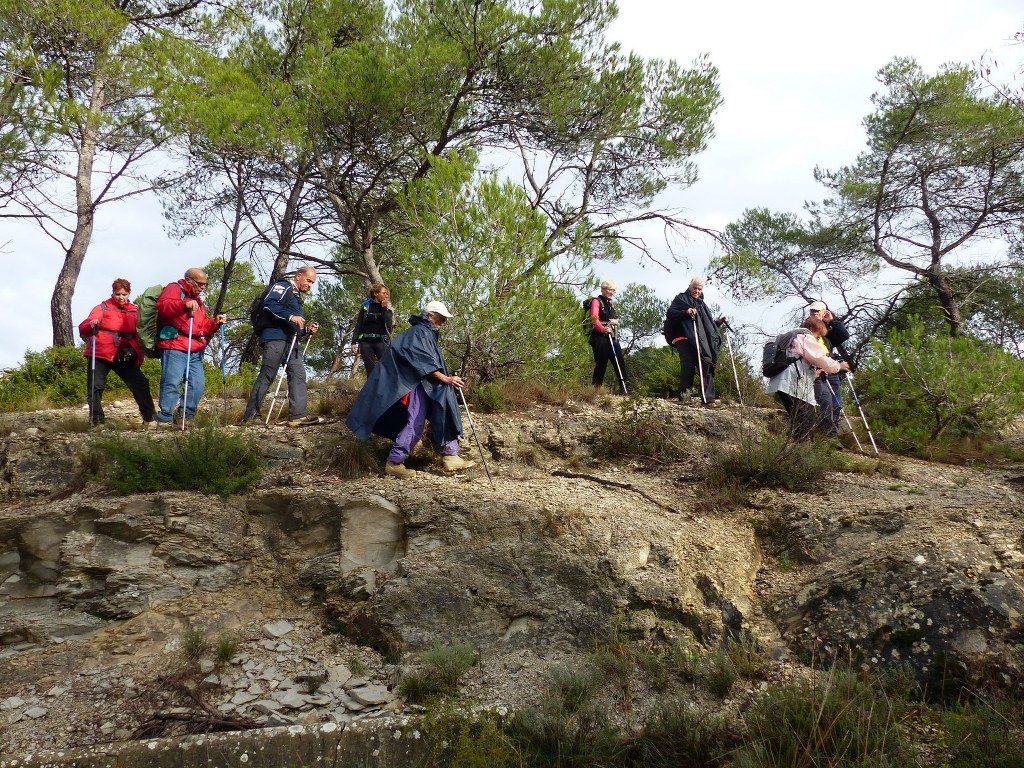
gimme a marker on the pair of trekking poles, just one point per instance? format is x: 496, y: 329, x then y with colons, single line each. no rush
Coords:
x: 700, y: 364
x: 224, y: 374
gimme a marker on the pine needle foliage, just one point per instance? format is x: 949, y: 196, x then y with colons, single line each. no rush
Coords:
x: 207, y: 460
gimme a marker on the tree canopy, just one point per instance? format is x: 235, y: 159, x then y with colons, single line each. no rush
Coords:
x: 939, y: 188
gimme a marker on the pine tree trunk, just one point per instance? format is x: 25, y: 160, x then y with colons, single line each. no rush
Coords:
x: 85, y: 211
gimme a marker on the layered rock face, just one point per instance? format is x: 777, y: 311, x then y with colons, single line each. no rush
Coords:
x: 96, y: 589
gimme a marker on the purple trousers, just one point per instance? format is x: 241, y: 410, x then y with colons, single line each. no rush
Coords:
x: 413, y: 430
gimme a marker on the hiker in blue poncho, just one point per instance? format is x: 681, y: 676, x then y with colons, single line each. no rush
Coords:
x: 409, y: 385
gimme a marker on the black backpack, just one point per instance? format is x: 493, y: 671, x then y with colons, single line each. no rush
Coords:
x: 670, y: 330
x: 257, y: 317
x: 776, y: 357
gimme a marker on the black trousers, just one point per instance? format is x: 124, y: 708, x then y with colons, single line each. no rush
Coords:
x: 688, y: 369
x: 803, y: 417
x: 601, y: 346
x: 371, y: 352
x: 130, y: 374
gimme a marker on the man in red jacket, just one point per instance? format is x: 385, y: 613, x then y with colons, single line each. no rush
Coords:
x: 180, y: 307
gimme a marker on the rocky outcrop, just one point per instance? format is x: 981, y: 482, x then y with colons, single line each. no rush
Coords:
x: 919, y: 569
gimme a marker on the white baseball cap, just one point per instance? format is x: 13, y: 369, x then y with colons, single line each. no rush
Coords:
x: 438, y: 308
x: 817, y: 306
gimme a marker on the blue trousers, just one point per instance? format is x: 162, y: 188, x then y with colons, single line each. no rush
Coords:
x: 413, y: 430
x: 827, y: 392
x: 172, y: 376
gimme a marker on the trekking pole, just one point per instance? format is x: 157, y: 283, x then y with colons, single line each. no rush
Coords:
x: 308, y: 339
x: 864, y: 418
x: 92, y: 377
x: 732, y: 359
x: 616, y: 355
x: 188, y: 366
x: 838, y: 402
x: 476, y: 439
x: 280, y: 378
x: 223, y: 375
x: 700, y: 365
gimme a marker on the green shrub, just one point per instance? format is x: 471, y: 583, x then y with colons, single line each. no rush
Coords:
x: 226, y: 648
x: 774, y: 462
x: 194, y: 644
x: 450, y: 662
x: 718, y: 674
x: 492, y: 397
x: 678, y: 734
x: 442, y: 668
x: 979, y: 733
x: 456, y: 740
x: 653, y: 371
x: 574, y: 688
x: 207, y: 460
x: 555, y: 735
x: 56, y: 376
x: 239, y: 383
x: 642, y: 433
x: 748, y: 659
x: 832, y: 719
x: 923, y: 391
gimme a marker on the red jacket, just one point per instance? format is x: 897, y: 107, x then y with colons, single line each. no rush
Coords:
x: 116, y: 329
x: 171, y: 313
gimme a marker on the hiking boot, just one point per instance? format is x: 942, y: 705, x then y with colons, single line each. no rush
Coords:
x: 398, y: 470
x: 714, y: 405
x: 304, y: 421
x: 456, y: 463
x: 149, y: 425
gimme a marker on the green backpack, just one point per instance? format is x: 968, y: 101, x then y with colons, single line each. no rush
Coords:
x: 146, y: 325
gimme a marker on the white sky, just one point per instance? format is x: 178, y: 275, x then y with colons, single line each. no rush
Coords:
x: 796, y: 79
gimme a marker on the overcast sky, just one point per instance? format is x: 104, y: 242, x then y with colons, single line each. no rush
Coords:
x: 796, y: 78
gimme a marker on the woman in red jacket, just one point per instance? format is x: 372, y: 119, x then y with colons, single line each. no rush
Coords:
x: 111, y: 344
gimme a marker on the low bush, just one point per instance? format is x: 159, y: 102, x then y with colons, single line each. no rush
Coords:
x: 347, y: 457
x: 641, y: 433
x: 207, y: 460
x: 980, y: 733
x: 834, y: 719
x: 54, y: 377
x: 925, y: 392
x: 458, y: 741
x: 194, y: 644
x: 442, y: 668
x: 774, y: 462
x: 718, y: 673
x: 678, y: 734
x: 554, y: 734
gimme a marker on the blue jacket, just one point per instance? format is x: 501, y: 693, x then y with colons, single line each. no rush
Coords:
x: 405, y: 364
x: 283, y: 301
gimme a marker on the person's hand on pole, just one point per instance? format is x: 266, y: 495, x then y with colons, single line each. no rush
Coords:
x: 94, y: 324
x: 298, y: 321
x: 455, y: 381
x: 692, y: 311
x: 191, y: 305
x: 222, y: 319
x: 313, y: 328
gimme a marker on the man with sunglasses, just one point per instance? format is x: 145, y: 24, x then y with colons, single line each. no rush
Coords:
x: 180, y: 304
